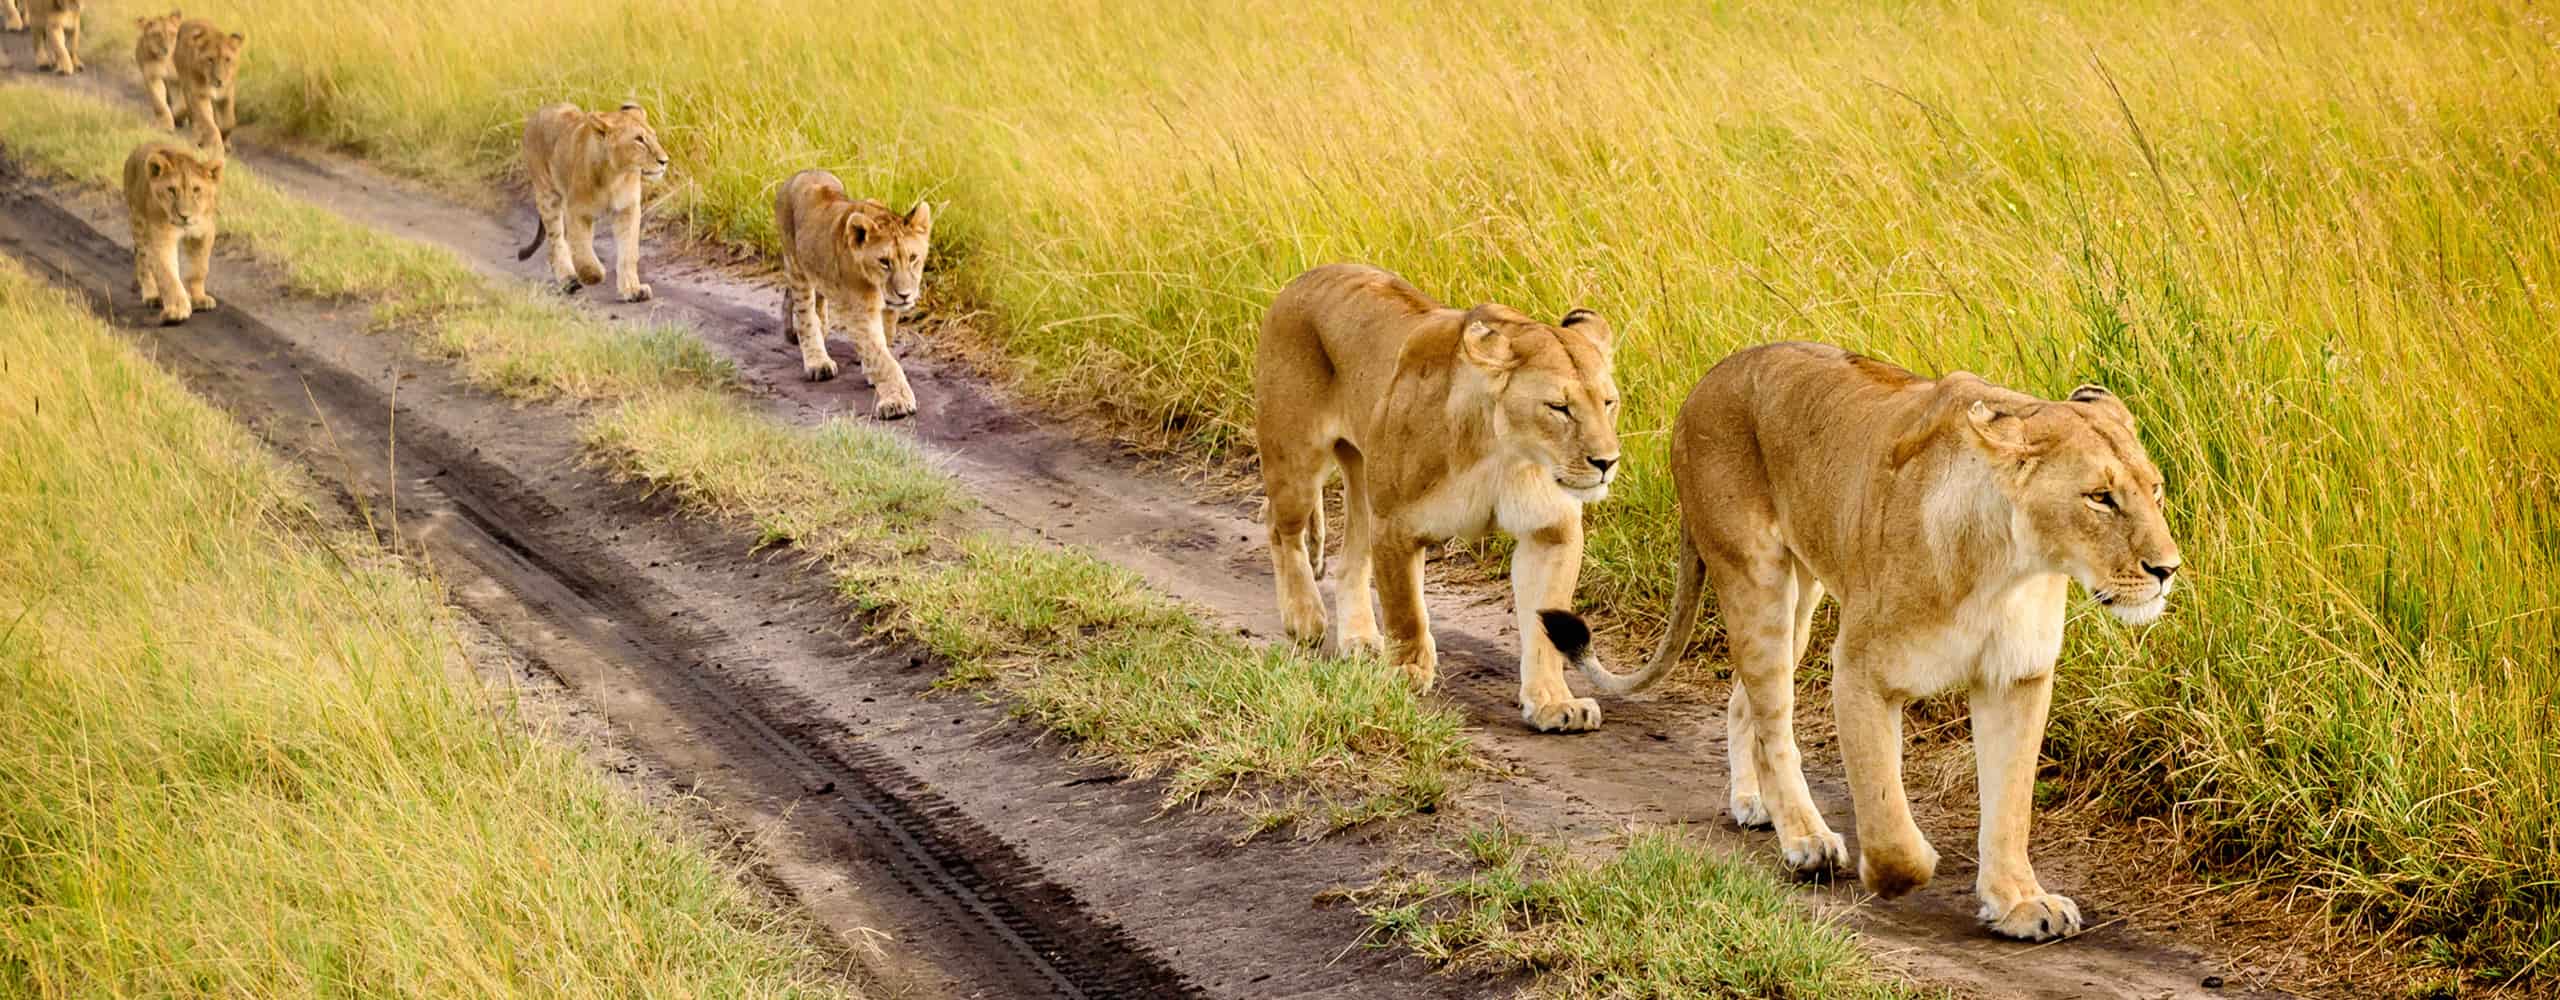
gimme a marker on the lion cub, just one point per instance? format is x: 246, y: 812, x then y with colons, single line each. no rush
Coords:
x: 53, y: 32
x: 155, y: 57
x: 207, y: 63
x: 1949, y: 516
x: 583, y: 164
x: 855, y: 255
x: 1446, y: 423
x: 173, y: 194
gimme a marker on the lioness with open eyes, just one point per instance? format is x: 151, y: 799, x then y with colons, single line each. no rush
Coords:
x: 1949, y: 516
x: 1446, y: 423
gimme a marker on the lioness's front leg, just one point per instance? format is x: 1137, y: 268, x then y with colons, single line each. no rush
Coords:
x: 626, y: 246
x: 880, y: 368
x: 1398, y: 567
x: 1543, y: 571
x: 1893, y: 856
x: 2008, y: 733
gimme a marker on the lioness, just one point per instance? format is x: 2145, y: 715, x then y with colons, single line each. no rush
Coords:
x: 1446, y: 423
x: 1950, y: 517
x: 858, y: 255
x: 155, y: 56
x: 11, y: 19
x: 172, y: 194
x: 53, y: 32
x: 583, y: 163
x: 207, y: 62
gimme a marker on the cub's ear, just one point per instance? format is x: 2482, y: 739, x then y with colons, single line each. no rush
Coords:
x: 921, y: 216
x: 2001, y: 430
x: 1589, y: 324
x: 855, y: 233
x: 238, y: 39
x: 597, y: 124
x: 634, y: 109
x: 1487, y: 348
x: 213, y: 165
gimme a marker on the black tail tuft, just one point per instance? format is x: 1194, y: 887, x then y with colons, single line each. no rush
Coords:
x: 1570, y: 634
x: 1577, y: 316
x: 538, y: 234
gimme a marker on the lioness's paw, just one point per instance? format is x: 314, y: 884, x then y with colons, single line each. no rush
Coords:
x: 637, y: 293
x: 1750, y: 812
x: 1890, y: 872
x: 1420, y: 673
x: 1362, y: 644
x: 894, y: 407
x: 1569, y: 715
x: 2041, y: 917
x: 1814, y: 853
x: 818, y: 371
x: 205, y: 303
x: 570, y: 286
x: 590, y: 274
x: 172, y: 317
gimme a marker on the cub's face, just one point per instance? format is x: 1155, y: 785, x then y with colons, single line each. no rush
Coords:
x: 186, y: 189
x: 2089, y: 496
x: 631, y: 144
x: 892, y: 249
x: 1555, y: 403
x: 220, y: 56
x: 159, y: 36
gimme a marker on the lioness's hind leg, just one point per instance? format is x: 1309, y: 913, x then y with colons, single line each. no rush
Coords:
x: 1355, y: 593
x: 1292, y: 478
x: 1758, y: 603
x: 1742, y: 760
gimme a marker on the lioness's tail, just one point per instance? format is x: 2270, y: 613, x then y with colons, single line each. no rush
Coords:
x: 1572, y: 637
x: 539, y: 231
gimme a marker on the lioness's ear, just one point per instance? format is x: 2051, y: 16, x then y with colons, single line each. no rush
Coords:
x: 157, y: 164
x: 1590, y: 325
x: 2098, y: 394
x: 1487, y: 348
x: 213, y: 165
x: 634, y: 109
x: 596, y: 124
x: 921, y: 216
x: 2002, y: 431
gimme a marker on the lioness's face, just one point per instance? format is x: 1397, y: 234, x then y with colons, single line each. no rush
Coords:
x: 2091, y: 497
x: 633, y: 144
x: 893, y: 249
x: 1555, y: 402
x: 185, y: 188
x: 159, y: 35
x: 221, y: 56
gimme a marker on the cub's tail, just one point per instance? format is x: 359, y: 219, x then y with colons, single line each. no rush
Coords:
x: 1572, y: 636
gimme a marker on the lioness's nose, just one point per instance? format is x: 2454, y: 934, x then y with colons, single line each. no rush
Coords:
x: 2160, y: 571
x: 1602, y: 464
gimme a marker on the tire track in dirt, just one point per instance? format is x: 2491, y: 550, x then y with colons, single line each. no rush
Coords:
x: 1655, y: 761
x: 876, y: 804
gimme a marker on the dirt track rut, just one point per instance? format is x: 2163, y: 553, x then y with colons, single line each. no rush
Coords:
x: 1654, y: 762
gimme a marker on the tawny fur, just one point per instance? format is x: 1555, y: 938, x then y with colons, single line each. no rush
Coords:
x: 1948, y: 517
x: 1446, y: 423
x: 208, y: 66
x: 172, y: 194
x: 53, y: 33
x: 584, y: 164
x: 155, y: 60
x: 12, y: 19
x: 859, y: 256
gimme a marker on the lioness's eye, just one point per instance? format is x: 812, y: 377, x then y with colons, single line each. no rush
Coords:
x: 1560, y: 409
x: 2102, y: 499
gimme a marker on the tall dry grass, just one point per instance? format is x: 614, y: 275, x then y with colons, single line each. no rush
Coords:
x: 2310, y: 242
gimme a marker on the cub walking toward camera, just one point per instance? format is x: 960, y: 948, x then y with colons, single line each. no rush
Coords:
x: 1949, y: 517
x: 155, y: 60
x: 584, y: 163
x: 1446, y: 423
x: 172, y: 194
x: 206, y: 62
x: 858, y: 256
x: 53, y: 33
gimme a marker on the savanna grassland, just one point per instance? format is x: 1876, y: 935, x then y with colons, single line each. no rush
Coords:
x: 2310, y: 243
x: 244, y: 753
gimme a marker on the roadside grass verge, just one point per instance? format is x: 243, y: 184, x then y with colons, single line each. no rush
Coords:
x: 1084, y: 649
x: 245, y: 756
x: 2299, y: 238
x: 1663, y: 919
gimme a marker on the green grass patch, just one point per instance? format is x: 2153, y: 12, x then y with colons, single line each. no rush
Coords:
x: 1662, y: 919
x: 2307, y: 241
x: 245, y: 756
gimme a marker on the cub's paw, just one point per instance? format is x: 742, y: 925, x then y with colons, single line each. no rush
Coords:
x: 1815, y: 853
x: 1749, y: 811
x: 172, y: 317
x: 1568, y: 715
x: 894, y: 405
x: 205, y: 303
x: 590, y: 274
x: 570, y: 285
x: 818, y: 371
x: 637, y: 293
x: 2040, y: 917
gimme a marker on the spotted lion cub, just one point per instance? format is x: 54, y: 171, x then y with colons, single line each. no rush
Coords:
x: 856, y: 255
x: 155, y: 58
x: 173, y: 193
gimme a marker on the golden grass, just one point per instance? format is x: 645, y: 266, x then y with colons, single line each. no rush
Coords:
x: 245, y: 756
x: 2309, y: 242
